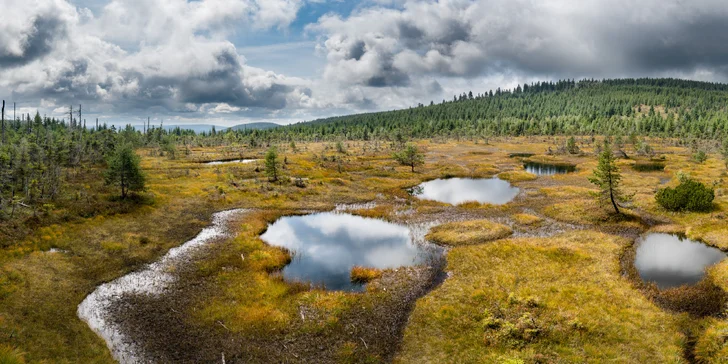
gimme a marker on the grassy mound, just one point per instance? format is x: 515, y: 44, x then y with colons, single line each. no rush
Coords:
x: 712, y: 346
x: 517, y: 176
x: 468, y: 232
x: 526, y: 219
x: 364, y: 274
x: 559, y: 299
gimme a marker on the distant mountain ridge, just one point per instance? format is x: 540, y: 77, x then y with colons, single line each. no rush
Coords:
x: 255, y: 126
x: 206, y: 128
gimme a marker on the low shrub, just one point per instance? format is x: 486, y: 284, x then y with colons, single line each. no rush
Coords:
x: 700, y: 157
x: 690, y: 195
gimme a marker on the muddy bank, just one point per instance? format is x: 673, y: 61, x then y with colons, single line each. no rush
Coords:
x: 370, y: 326
x: 153, y: 280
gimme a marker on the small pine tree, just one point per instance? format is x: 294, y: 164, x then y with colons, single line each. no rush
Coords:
x: 124, y: 170
x: 607, y: 178
x: 272, y: 164
x: 724, y: 152
x: 571, y: 146
x: 700, y: 157
x: 410, y: 156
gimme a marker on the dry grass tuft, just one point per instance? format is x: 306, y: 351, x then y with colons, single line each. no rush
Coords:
x: 364, y: 274
x: 9, y: 355
x: 527, y: 219
x: 712, y: 345
x: 468, y: 232
x: 517, y: 176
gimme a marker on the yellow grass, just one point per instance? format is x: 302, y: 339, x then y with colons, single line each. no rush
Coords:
x: 517, y: 176
x: 558, y: 299
x: 526, y: 219
x: 364, y: 274
x: 468, y: 232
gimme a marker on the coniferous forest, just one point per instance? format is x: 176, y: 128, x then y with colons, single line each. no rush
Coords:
x: 35, y: 149
x: 646, y: 107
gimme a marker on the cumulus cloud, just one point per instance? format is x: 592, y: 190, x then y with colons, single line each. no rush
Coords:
x: 160, y: 55
x: 390, y: 45
x: 29, y: 32
x: 132, y: 57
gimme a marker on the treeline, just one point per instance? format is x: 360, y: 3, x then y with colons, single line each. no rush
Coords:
x: 35, y: 150
x: 37, y: 153
x: 646, y: 107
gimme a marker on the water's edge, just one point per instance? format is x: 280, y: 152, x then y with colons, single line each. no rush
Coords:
x: 153, y: 279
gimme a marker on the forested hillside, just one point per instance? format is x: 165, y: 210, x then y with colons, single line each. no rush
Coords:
x: 38, y: 154
x: 654, y: 107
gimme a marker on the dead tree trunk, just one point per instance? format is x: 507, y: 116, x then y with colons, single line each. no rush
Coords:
x: 3, y: 121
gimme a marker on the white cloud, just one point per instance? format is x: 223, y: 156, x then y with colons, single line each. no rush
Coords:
x: 175, y: 57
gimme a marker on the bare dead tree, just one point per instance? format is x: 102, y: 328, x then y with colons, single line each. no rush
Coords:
x: 3, y: 120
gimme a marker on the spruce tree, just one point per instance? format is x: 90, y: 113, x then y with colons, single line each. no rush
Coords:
x: 124, y: 170
x: 607, y: 178
x: 272, y: 164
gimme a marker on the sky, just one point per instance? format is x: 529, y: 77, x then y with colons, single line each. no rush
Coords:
x: 228, y: 62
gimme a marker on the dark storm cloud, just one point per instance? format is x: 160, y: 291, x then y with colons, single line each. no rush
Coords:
x: 38, y: 42
x: 357, y: 50
x: 225, y: 82
x: 703, y: 43
x: 591, y: 38
x: 389, y: 76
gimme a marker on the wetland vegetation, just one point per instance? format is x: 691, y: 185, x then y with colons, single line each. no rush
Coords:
x: 527, y: 269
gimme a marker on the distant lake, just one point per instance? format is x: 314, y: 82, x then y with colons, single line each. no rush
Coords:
x: 546, y: 169
x: 244, y: 161
x: 459, y: 190
x: 671, y: 261
x: 326, y: 246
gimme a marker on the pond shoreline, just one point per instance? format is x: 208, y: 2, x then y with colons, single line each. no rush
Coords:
x: 97, y: 307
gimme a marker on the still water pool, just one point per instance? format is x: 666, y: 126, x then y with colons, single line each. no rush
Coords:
x: 326, y: 246
x: 671, y: 260
x: 458, y: 190
x: 545, y: 169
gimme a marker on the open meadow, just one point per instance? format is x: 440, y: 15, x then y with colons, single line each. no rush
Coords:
x: 544, y: 278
